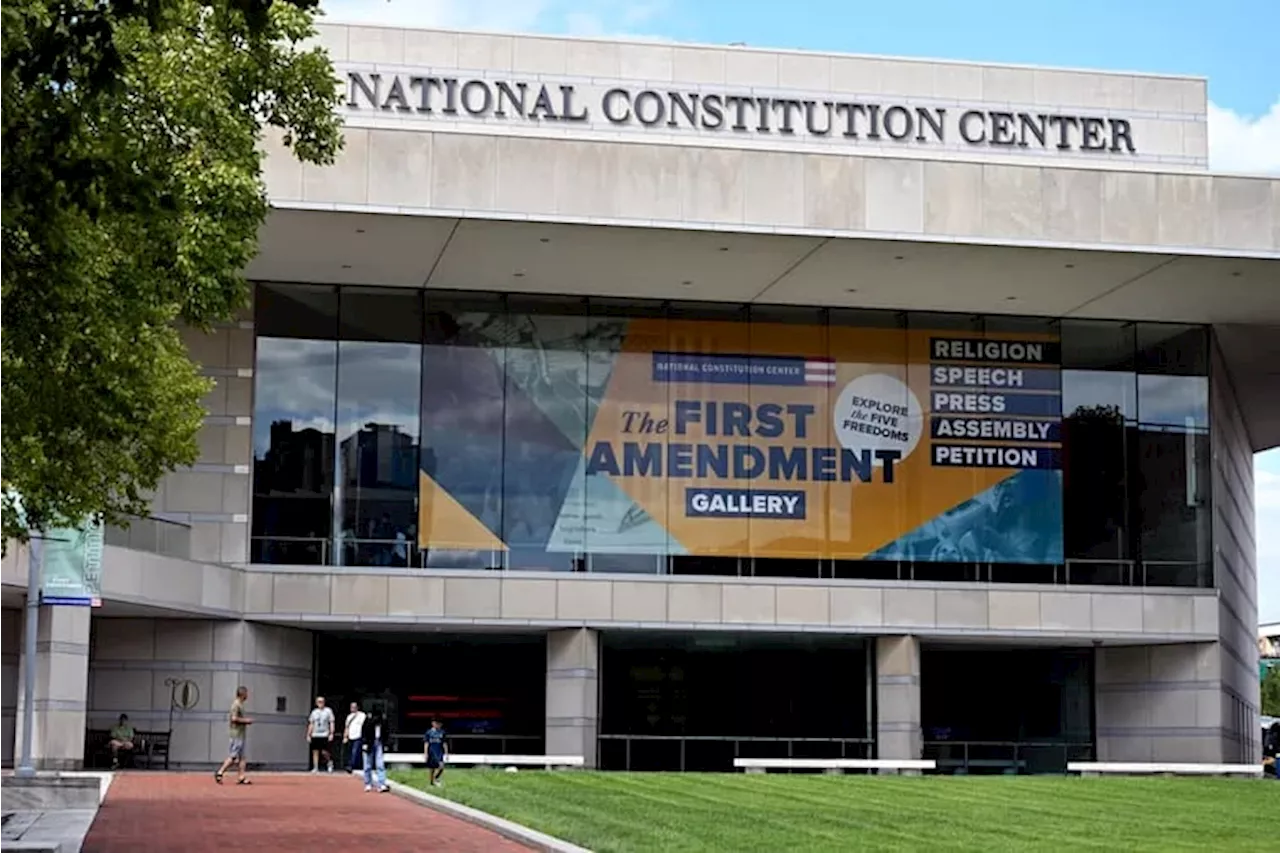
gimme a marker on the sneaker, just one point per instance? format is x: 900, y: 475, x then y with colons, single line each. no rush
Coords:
x: 315, y: 769
x: 385, y: 789
x: 368, y: 788
x: 330, y: 766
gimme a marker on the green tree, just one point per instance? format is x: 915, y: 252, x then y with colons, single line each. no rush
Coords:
x: 1271, y: 692
x: 132, y: 199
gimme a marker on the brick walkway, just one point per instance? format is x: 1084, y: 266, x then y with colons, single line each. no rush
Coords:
x: 188, y: 812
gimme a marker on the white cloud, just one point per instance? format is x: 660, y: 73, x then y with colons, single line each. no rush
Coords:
x: 1244, y: 143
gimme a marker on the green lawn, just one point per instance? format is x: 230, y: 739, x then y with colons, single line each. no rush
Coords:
x: 671, y: 812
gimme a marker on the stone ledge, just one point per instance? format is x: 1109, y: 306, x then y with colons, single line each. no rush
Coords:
x: 507, y: 829
x: 49, y: 793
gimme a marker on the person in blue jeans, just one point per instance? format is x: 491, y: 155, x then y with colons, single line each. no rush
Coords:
x: 372, y: 741
x: 435, y: 750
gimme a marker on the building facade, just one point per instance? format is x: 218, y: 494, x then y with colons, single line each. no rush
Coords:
x: 663, y: 404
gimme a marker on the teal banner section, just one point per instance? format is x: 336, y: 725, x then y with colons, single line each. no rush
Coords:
x: 72, y: 570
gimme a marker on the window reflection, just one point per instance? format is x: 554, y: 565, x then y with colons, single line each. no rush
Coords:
x: 463, y: 384
x: 544, y: 430
x: 293, y: 426
x: 379, y: 363
x: 1136, y: 456
x: 377, y: 451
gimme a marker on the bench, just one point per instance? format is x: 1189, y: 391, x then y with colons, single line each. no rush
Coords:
x: 836, y: 765
x: 1139, y: 768
x: 149, y: 749
x: 550, y: 762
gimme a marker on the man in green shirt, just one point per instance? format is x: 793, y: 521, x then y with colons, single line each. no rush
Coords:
x: 239, y: 723
x: 122, y: 736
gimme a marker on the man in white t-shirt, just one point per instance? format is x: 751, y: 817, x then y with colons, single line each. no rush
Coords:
x: 320, y: 725
x: 352, y: 733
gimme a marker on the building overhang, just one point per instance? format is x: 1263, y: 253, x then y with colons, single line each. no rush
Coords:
x: 1239, y: 296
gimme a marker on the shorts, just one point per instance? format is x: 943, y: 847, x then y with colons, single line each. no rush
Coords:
x: 236, y: 748
x: 321, y: 743
x: 434, y: 760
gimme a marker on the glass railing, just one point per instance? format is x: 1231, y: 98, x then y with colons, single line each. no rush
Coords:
x: 966, y: 757
x: 154, y: 535
x: 715, y: 753
x: 402, y: 554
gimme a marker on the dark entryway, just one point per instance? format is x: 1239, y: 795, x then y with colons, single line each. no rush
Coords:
x: 488, y: 689
x: 1005, y: 710
x: 686, y: 702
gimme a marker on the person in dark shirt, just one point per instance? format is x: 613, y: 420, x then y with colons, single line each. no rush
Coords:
x: 436, y: 751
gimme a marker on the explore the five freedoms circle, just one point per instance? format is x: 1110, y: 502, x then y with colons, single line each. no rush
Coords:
x: 878, y: 411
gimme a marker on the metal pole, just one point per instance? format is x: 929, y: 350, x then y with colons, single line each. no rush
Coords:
x: 34, y: 563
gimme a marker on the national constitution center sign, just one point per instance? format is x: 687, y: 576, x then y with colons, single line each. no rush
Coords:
x: 737, y: 113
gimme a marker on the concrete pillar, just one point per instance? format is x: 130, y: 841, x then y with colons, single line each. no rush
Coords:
x: 573, y: 659
x: 1165, y: 703
x: 898, y: 733
x: 62, y: 686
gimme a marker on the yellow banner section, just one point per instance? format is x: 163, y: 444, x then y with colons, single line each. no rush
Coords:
x: 860, y: 388
x: 445, y: 523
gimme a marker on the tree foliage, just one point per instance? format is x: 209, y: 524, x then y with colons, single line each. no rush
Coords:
x: 1271, y: 692
x: 132, y: 199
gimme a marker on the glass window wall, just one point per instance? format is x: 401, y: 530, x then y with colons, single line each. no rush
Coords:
x: 398, y: 428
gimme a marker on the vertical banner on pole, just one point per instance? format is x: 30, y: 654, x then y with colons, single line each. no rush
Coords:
x: 73, y: 565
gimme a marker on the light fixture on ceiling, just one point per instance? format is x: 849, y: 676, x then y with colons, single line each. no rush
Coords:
x: 899, y: 258
x: 359, y: 230
x: 851, y: 290
x: 544, y: 239
x: 686, y: 282
x: 518, y: 274
x: 346, y: 266
x: 1011, y: 299
x: 1070, y: 266
x: 724, y: 248
x: 1236, y: 274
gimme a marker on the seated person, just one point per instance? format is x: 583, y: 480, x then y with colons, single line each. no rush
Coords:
x: 122, y: 737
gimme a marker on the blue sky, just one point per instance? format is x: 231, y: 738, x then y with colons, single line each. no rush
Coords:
x: 1230, y: 42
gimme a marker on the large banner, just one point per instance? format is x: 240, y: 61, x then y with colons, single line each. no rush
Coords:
x: 689, y: 437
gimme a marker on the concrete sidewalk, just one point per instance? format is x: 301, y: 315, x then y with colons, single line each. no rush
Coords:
x: 62, y: 830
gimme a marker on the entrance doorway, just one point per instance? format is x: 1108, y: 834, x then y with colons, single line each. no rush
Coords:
x: 696, y: 702
x: 487, y: 689
x: 1006, y: 710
